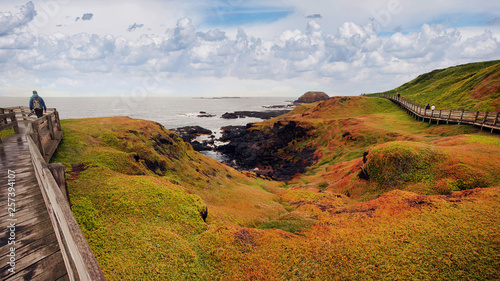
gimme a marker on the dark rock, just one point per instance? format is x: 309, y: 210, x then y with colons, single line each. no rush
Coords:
x: 205, y: 114
x: 228, y: 115
x: 189, y: 133
x: 267, y: 114
x: 232, y: 132
x: 278, y: 106
x: 363, y: 174
x: 204, y: 213
x: 268, y: 149
x: 311, y: 97
x: 200, y: 146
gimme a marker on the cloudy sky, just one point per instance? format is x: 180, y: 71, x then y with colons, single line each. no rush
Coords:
x: 236, y: 47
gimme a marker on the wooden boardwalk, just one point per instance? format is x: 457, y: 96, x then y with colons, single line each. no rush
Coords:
x: 37, y: 253
x: 40, y: 238
x: 483, y: 119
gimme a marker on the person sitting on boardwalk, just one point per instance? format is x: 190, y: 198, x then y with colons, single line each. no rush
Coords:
x: 37, y: 104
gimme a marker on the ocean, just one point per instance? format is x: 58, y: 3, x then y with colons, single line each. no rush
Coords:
x: 171, y: 112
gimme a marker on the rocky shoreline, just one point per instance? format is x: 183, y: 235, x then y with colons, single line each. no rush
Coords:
x: 260, y: 151
x: 256, y: 150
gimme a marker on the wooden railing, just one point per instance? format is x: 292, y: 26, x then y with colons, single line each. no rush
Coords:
x: 483, y: 119
x: 43, y: 136
x: 47, y: 131
x: 8, y: 120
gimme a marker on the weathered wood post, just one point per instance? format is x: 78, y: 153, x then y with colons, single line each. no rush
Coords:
x: 36, y: 136
x: 58, y: 121
x: 51, y: 127
x: 484, y: 120
x: 495, y: 121
x: 14, y: 121
x: 57, y: 170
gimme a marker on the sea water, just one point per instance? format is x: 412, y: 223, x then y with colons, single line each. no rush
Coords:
x: 171, y: 112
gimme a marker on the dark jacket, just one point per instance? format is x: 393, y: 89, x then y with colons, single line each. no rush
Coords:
x: 42, y: 103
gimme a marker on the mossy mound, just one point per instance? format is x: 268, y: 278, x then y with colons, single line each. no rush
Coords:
x: 397, y: 163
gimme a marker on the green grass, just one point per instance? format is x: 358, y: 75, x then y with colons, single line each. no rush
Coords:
x: 470, y: 87
x: 6, y: 133
x: 398, y: 163
x: 139, y: 194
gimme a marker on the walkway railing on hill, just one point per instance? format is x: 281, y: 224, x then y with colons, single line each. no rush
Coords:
x: 482, y: 119
x: 44, y: 135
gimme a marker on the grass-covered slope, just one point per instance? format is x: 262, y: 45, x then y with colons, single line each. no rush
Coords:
x: 474, y: 86
x: 388, y: 198
x: 378, y: 148
x: 142, y: 197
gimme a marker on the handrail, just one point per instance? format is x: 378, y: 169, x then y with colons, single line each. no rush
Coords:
x: 4, y: 122
x: 43, y: 135
x: 483, y: 119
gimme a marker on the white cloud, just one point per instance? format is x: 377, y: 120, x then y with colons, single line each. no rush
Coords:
x: 351, y: 59
x: 482, y: 46
x: 9, y: 22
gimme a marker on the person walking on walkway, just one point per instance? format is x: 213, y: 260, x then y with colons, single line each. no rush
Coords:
x: 37, y: 104
x: 433, y: 107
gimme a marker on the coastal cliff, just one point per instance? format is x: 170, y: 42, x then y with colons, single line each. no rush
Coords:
x: 374, y: 194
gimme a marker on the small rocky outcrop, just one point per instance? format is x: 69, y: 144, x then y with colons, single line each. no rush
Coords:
x: 311, y: 97
x: 228, y: 115
x: 203, y: 114
x: 189, y: 133
x: 268, y: 114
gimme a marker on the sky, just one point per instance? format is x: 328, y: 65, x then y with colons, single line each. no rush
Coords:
x: 208, y: 48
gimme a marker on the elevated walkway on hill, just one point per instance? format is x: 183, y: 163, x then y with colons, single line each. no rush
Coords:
x: 483, y: 119
x: 40, y: 238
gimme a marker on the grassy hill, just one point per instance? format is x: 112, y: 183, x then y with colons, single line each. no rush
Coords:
x: 142, y: 197
x: 473, y: 86
x: 388, y: 198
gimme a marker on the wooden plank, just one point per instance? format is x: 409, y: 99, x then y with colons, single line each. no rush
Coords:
x: 44, y: 139
x: 50, y: 147
x: 59, y: 173
x: 64, y: 278
x: 29, y: 251
x: 76, y: 251
x: 7, y: 126
x: 38, y: 270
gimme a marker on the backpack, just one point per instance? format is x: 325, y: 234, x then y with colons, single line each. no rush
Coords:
x: 36, y: 103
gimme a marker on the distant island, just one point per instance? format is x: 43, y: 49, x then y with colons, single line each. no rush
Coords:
x: 312, y: 97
